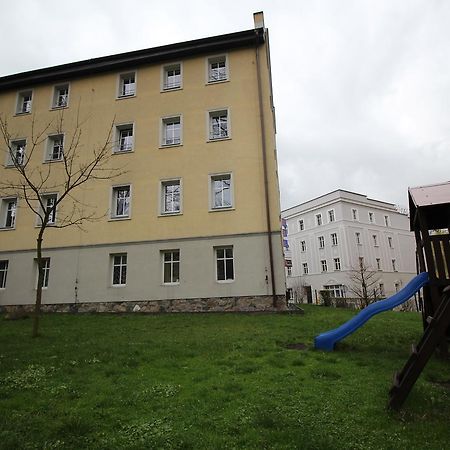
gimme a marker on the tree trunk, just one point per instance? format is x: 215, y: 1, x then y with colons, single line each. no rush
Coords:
x: 37, y: 306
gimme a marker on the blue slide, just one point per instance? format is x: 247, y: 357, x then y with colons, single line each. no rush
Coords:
x: 327, y: 341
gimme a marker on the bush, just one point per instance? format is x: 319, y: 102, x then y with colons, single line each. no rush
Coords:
x: 326, y: 297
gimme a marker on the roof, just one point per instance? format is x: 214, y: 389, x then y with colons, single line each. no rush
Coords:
x: 135, y: 58
x: 434, y: 200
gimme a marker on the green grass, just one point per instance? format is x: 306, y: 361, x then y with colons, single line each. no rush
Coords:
x: 214, y: 381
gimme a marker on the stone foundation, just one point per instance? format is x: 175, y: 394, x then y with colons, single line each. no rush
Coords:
x: 194, y: 305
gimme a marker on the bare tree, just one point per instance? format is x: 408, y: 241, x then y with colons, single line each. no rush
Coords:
x: 364, y: 284
x: 31, y: 182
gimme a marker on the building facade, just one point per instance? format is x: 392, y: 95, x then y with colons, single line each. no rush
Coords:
x: 192, y: 222
x: 330, y: 237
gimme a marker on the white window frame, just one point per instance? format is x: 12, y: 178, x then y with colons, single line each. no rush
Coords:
x: 335, y: 290
x: 375, y: 240
x: 334, y: 239
x: 390, y: 242
x: 305, y: 268
x: 46, y: 267
x: 337, y: 264
x: 210, y: 60
x: 50, y: 147
x: 321, y: 240
x: 371, y: 216
x: 162, y: 193
x: 358, y: 238
x: 387, y: 221
x: 301, y: 225
x: 331, y: 215
x: 24, y: 106
x: 114, y: 202
x: 13, y: 148
x: 225, y: 258
x: 169, y: 120
x: 319, y: 220
x: 120, y: 128
x: 165, y: 85
x: 394, y: 265
x: 355, y: 215
x: 122, y: 266
x: 218, y: 113
x: 60, y: 101
x: 215, y: 177
x: 122, y: 77
x: 8, y: 214
x: 378, y: 262
x: 303, y: 246
x: 171, y: 264
x: 381, y: 289
x: 45, y: 199
x: 4, y: 263
x: 324, y: 265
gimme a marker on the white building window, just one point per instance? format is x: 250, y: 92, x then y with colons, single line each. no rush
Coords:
x: 217, y: 69
x: 305, y: 268
x: 301, y: 225
x: 323, y: 264
x: 61, y: 96
x: 358, y: 238
x: 3, y: 273
x: 24, y: 100
x: 224, y: 264
x: 171, y: 266
x: 121, y: 199
x: 386, y: 221
x: 221, y: 191
x: 124, y: 138
x: 170, y: 197
x: 321, y: 242
x: 334, y: 239
x: 171, y: 130
x: 289, y: 271
x: 331, y: 216
x: 381, y: 289
x: 375, y: 240
x: 337, y: 263
x: 172, y: 76
x: 46, y: 270
x: 354, y: 214
x: 335, y: 290
x: 397, y: 286
x: 49, y: 202
x: 361, y: 261
x: 371, y: 217
x: 378, y: 260
x: 8, y: 212
x: 390, y: 242
x: 219, y: 125
x: 127, y: 84
x: 319, y: 219
x: 55, y: 148
x: 394, y: 265
x: 16, y: 154
x: 119, y: 269
x: 303, y: 246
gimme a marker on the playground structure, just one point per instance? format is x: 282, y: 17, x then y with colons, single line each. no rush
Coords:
x: 429, y: 208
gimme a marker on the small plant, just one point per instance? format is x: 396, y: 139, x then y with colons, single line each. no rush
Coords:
x: 326, y: 297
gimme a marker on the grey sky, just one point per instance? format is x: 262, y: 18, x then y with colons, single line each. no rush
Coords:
x: 361, y: 88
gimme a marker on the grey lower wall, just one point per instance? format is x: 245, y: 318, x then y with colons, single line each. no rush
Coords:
x: 83, y: 275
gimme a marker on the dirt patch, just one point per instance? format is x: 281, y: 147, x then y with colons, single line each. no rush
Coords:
x: 297, y: 346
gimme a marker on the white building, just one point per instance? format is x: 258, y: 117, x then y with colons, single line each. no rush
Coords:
x: 328, y: 236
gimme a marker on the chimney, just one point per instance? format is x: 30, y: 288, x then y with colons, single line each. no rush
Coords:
x: 258, y: 18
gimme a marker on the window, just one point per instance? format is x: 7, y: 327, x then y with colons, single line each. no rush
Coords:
x: 361, y: 261
x: 323, y: 264
x: 394, y: 266
x: 127, y: 84
x: 121, y: 201
x: 218, y: 125
x: 46, y: 272
x: 171, y: 131
x: 119, y: 270
x: 381, y: 289
x: 337, y: 263
x: 224, y: 264
x: 319, y: 219
x: 24, y: 100
x: 301, y: 225
x: 221, y: 191
x: 3, y: 273
x: 60, y: 96
x: 303, y: 246
x: 386, y: 221
x: 375, y: 240
x: 321, y: 242
x: 16, y: 154
x: 358, y: 238
x: 170, y: 197
x: 171, y: 77
x: 335, y: 290
x: 55, y: 146
x: 171, y: 266
x: 354, y: 214
x: 305, y: 268
x: 124, y: 138
x: 390, y: 242
x: 378, y: 260
x: 334, y: 239
x: 289, y: 271
x: 331, y: 216
x: 397, y: 286
x: 49, y: 202
x: 371, y: 217
x: 217, y: 69
x: 8, y: 212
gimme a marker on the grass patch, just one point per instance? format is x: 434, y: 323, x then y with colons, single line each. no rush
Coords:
x: 215, y: 381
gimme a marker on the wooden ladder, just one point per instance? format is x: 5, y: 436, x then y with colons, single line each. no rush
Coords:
x: 420, y: 354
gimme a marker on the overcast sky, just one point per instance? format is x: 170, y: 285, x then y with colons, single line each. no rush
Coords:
x: 361, y: 88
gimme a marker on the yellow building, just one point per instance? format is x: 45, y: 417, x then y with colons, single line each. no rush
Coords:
x: 192, y: 221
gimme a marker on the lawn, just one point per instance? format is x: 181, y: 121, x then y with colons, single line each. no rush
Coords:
x: 213, y: 381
